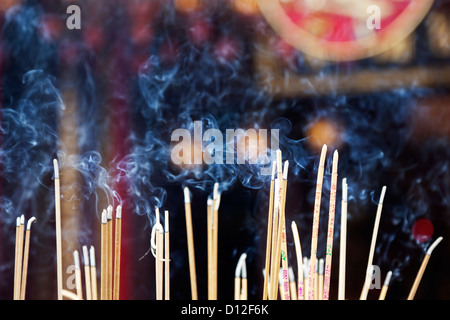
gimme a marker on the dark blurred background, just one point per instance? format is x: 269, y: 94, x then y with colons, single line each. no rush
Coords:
x: 104, y: 100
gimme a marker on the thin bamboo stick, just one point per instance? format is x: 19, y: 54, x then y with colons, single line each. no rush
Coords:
x: 330, y: 233
x: 298, y: 250
x: 78, y: 285
x: 117, y: 251
x: 109, y: 216
x: 93, y: 268
x: 343, y: 241
x: 269, y: 232
x: 190, y: 243
x: 104, y: 257
x: 59, y: 275
x: 25, y: 258
x: 87, y: 273
x: 166, y: 257
x: 422, y: 268
x: 315, y: 227
x: 368, y: 276
x: 385, y: 286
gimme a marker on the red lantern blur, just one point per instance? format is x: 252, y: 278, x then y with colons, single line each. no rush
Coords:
x: 422, y: 230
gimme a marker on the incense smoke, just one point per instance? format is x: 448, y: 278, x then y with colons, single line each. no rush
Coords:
x: 208, y: 75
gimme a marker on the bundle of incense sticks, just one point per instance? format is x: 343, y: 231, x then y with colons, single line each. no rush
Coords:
x: 21, y: 257
x: 160, y: 239
x: 90, y: 276
x: 111, y: 241
x: 276, y: 246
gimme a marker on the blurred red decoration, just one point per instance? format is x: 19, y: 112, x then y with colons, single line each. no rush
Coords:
x: 422, y: 230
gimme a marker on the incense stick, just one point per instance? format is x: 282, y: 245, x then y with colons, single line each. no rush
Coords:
x: 365, y: 289
x: 315, y: 227
x: 215, y: 235
x: 343, y: 241
x: 93, y: 273
x: 238, y: 275
x: 166, y: 256
x: 59, y: 276
x: 272, y: 274
x: 278, y: 222
x: 269, y: 232
x: 385, y: 286
x: 25, y: 258
x: 306, y: 277
x: 422, y: 268
x: 109, y: 215
x: 76, y: 261
x: 209, y: 204
x: 87, y: 273
x: 244, y: 289
x: 16, y: 262
x: 298, y: 250
x: 330, y: 233
x: 283, y: 244
x: 117, y: 251
x: 190, y: 243
x: 159, y: 256
x: 104, y: 257
x: 20, y: 256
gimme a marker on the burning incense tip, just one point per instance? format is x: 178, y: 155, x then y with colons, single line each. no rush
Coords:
x: 166, y: 221
x: 216, y: 207
x: 22, y: 219
x: 383, y: 192
x: 104, y: 216
x: 76, y: 259
x: 30, y: 221
x: 187, y: 195
x: 56, y: 168
x: 285, y: 169
x: 321, y: 266
x: 216, y: 190
x: 18, y: 222
x: 388, y: 278
x: 109, y: 212
x: 85, y: 256
x: 157, y: 217
x: 274, y: 169
x: 335, y: 161
x: 92, y: 256
x: 434, y: 245
x: 322, y: 155
x: 279, y: 161
x: 119, y: 212
x: 344, y: 190
x: 244, y: 268
x: 239, y: 266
